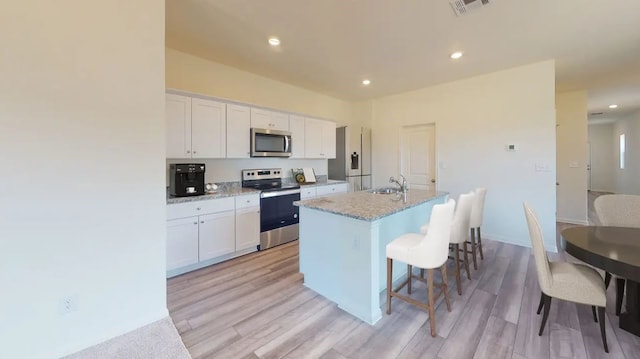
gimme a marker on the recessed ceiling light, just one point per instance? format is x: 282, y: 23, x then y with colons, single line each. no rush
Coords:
x: 456, y: 55
x: 274, y: 41
x: 366, y: 82
x: 613, y: 106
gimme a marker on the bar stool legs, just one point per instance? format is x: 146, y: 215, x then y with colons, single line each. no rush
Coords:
x: 429, y: 306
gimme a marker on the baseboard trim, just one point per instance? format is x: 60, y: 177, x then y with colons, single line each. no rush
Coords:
x: 572, y: 221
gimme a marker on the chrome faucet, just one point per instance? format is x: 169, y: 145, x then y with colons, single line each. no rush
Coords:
x: 403, y: 185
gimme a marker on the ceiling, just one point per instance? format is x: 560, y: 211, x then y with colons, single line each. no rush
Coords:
x: 330, y: 46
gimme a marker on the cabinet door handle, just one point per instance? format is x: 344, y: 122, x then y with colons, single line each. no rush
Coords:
x: 188, y: 151
x: 195, y: 222
x: 194, y: 152
x: 248, y: 201
x: 201, y: 221
x: 198, y: 208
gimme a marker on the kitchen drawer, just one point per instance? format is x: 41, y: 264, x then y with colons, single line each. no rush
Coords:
x: 307, y: 192
x: 331, y: 189
x: 252, y: 200
x: 196, y: 208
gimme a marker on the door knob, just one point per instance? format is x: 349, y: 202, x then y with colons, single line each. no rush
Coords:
x: 433, y: 181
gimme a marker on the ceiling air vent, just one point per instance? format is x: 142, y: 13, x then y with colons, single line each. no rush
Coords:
x: 464, y: 7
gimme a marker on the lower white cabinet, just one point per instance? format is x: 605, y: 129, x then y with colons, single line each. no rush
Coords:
x: 201, y: 233
x: 216, y: 235
x: 247, y: 228
x: 307, y: 192
x: 182, y: 242
x: 331, y: 189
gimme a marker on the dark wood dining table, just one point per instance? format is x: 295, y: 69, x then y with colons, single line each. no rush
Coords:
x: 617, y: 251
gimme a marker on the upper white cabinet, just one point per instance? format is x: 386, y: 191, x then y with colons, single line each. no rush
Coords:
x: 296, y: 127
x: 196, y: 128
x: 238, y: 131
x: 208, y: 129
x: 320, y: 138
x: 178, y: 126
x: 269, y: 120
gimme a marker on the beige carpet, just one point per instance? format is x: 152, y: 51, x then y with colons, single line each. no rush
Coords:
x: 156, y: 340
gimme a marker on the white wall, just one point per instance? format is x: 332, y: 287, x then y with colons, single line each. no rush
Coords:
x: 572, y: 157
x: 603, y: 156
x: 627, y: 180
x: 83, y: 201
x: 475, y: 119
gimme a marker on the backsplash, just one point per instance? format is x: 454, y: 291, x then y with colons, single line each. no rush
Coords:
x: 229, y: 169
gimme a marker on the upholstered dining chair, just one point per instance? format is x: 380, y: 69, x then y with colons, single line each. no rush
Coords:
x: 567, y: 281
x: 429, y: 252
x: 459, y: 235
x: 618, y: 210
x: 477, y: 214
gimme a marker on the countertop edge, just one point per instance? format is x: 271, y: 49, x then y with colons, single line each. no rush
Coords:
x: 372, y: 218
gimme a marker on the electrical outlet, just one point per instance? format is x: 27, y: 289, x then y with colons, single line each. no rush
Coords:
x: 356, y: 244
x: 68, y: 305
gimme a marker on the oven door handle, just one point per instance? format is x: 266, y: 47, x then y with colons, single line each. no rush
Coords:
x: 278, y: 193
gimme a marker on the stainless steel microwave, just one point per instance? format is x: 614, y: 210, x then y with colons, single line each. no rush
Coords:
x: 270, y: 143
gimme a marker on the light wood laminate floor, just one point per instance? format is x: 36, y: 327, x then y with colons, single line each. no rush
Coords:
x: 257, y: 307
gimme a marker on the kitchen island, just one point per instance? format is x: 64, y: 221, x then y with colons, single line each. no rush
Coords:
x: 343, y: 240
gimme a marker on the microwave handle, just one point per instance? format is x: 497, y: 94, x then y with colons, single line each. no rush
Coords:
x: 287, y: 147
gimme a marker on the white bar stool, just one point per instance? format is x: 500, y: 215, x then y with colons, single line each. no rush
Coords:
x: 427, y: 252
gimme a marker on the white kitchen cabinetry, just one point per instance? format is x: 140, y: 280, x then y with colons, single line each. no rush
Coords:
x: 247, y: 221
x: 198, y: 231
x: 269, y: 120
x: 208, y: 129
x: 331, y: 189
x: 320, y: 138
x: 238, y: 131
x: 195, y: 128
x: 247, y: 228
x: 307, y: 192
x: 182, y: 242
x: 216, y: 235
x: 178, y: 126
x: 296, y: 127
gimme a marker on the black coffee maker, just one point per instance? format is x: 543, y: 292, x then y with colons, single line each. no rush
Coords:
x: 186, y: 179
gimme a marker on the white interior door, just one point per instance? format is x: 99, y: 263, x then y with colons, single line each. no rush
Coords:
x: 417, y: 150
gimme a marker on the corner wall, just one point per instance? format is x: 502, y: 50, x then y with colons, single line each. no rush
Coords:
x: 82, y: 214
x: 475, y: 119
x: 572, y: 157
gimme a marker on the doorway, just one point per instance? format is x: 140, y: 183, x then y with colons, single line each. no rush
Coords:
x: 417, y: 154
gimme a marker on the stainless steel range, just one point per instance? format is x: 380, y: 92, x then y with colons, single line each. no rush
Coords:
x: 278, y: 215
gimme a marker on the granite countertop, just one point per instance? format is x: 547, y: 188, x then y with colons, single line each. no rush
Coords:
x: 369, y: 206
x: 220, y: 193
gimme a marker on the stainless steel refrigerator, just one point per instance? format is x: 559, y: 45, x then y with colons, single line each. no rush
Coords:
x: 353, y: 157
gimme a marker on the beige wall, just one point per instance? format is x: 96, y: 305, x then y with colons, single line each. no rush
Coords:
x: 572, y: 156
x: 475, y: 119
x: 603, y: 163
x: 627, y: 180
x: 190, y: 73
x: 82, y: 213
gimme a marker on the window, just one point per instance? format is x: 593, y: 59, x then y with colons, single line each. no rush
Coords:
x: 622, y: 150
